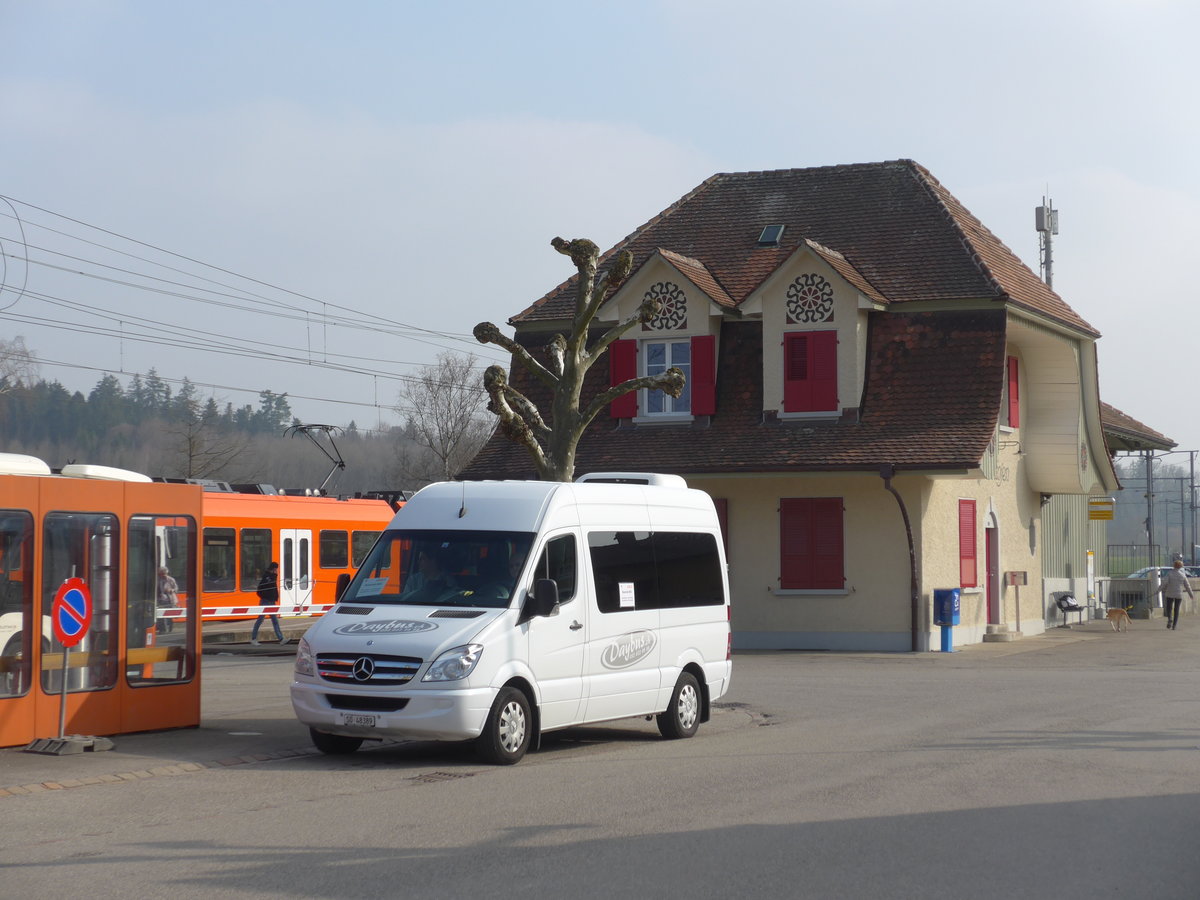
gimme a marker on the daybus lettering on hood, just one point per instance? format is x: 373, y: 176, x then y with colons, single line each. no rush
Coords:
x: 387, y: 626
x: 627, y: 649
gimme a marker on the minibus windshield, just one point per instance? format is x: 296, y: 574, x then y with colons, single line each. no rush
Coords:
x: 441, y: 568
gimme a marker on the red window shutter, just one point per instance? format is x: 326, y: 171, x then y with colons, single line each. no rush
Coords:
x: 1014, y: 393
x: 811, y: 543
x: 967, y: 554
x: 704, y: 372
x: 622, y: 365
x: 810, y: 371
x: 795, y: 563
x: 796, y: 390
x: 828, y: 562
x: 824, y: 370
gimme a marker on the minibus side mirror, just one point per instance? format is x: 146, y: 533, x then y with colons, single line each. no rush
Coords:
x: 343, y: 582
x: 541, y: 601
x: 545, y: 596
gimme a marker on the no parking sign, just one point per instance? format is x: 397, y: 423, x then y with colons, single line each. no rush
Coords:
x: 71, y: 612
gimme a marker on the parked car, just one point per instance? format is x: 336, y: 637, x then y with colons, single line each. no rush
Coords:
x: 1190, y: 571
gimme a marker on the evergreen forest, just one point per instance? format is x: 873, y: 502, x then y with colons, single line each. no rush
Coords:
x: 148, y: 428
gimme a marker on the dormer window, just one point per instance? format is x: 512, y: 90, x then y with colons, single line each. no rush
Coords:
x: 660, y: 356
x: 695, y: 356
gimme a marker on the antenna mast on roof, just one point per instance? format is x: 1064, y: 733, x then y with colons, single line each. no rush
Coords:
x: 1046, y: 223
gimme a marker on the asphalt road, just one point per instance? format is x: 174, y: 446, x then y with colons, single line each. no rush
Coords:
x: 1062, y: 766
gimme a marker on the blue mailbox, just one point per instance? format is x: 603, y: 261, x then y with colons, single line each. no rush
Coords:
x: 945, y: 613
x: 946, y: 606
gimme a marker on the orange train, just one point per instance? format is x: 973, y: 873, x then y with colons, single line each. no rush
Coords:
x: 137, y: 668
x: 314, y: 539
x: 104, y: 527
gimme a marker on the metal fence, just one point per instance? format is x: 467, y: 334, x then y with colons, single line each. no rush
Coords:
x: 1126, y: 558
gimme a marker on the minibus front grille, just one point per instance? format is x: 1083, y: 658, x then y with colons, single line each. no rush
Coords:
x: 370, y: 703
x: 367, y: 668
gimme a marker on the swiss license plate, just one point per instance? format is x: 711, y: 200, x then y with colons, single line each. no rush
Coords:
x: 359, y: 720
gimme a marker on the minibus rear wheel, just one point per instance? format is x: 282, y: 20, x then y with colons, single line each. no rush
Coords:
x: 508, y: 729
x: 682, y: 717
x: 334, y: 744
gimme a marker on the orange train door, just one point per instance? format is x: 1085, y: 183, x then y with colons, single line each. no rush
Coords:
x: 295, y: 567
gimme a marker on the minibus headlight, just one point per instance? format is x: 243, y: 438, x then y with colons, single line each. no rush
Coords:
x: 304, y: 658
x: 454, y: 664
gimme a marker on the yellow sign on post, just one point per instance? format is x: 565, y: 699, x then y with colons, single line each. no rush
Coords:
x: 1100, y: 508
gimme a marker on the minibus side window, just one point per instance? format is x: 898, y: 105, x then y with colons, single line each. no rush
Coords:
x: 624, y: 571
x: 689, y: 569
x: 559, y: 562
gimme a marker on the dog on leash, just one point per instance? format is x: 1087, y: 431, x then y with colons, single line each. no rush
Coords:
x: 1118, y: 619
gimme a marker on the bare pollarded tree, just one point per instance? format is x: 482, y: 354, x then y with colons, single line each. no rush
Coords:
x: 552, y: 443
x: 445, y: 413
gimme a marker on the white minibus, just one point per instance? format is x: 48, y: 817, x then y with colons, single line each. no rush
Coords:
x: 497, y: 611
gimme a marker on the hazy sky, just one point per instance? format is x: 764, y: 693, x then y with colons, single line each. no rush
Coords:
x: 403, y: 166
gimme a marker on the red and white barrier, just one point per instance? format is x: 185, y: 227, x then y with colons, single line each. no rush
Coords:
x: 179, y: 612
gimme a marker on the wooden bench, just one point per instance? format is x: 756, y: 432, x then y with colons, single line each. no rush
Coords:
x: 1068, y: 604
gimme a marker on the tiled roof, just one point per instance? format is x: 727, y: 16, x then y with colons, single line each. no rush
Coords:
x: 847, y: 271
x: 1124, y: 432
x: 699, y: 276
x: 917, y: 409
x: 904, y: 234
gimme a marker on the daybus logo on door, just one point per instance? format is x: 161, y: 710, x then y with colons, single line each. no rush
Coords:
x: 390, y: 626
x: 627, y: 649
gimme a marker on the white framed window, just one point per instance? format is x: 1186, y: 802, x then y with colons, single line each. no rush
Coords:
x: 660, y: 356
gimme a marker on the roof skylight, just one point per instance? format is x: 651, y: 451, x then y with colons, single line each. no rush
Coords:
x: 771, y: 235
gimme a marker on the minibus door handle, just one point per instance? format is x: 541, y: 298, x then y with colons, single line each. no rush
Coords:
x: 575, y: 626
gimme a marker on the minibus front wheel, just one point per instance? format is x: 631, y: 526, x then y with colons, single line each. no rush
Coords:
x: 508, y: 729
x: 682, y: 717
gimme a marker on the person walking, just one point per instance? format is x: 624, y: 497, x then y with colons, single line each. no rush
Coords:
x: 1173, y: 585
x: 167, y: 598
x: 268, y: 595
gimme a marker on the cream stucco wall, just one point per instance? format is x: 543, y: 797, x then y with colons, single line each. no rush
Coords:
x: 872, y: 612
x: 874, y: 609
x: 1007, y: 502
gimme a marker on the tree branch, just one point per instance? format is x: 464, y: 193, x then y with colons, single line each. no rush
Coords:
x: 583, y: 254
x: 517, y: 414
x: 487, y: 333
x: 670, y: 382
x: 648, y: 310
x: 609, y: 282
